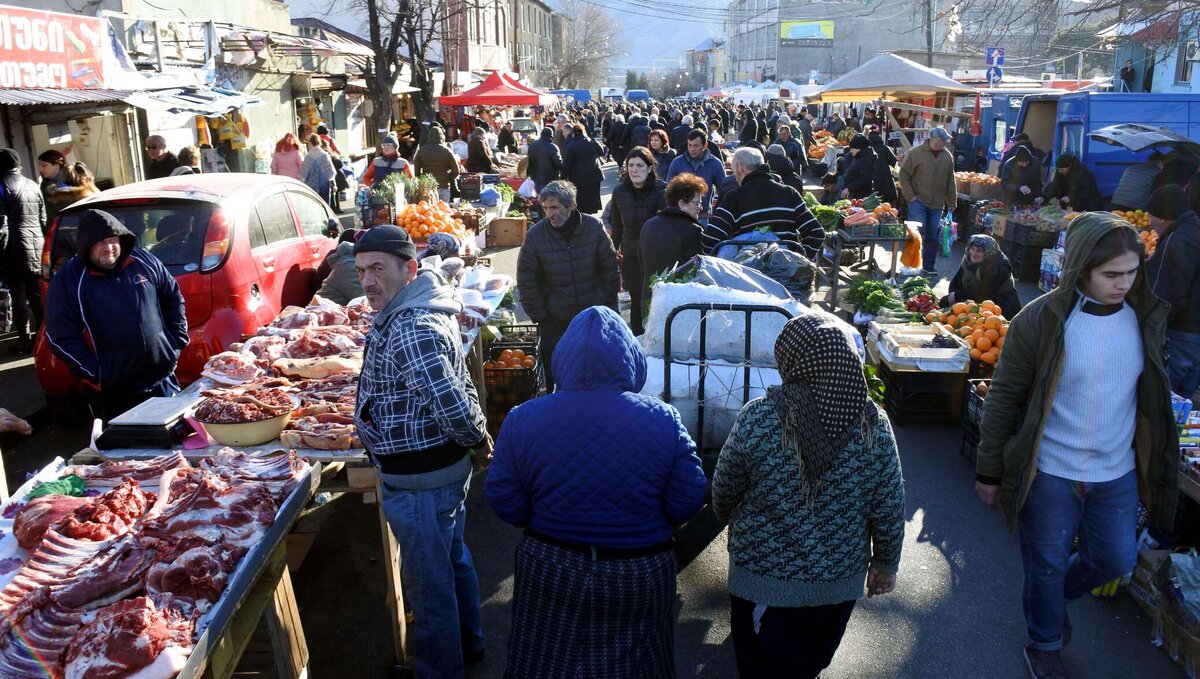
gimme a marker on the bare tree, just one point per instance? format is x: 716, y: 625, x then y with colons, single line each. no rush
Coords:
x: 590, y: 39
x: 412, y: 32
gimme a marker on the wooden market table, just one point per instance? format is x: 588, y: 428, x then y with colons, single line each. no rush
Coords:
x: 831, y: 272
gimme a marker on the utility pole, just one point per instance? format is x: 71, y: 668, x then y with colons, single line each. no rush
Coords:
x: 929, y: 33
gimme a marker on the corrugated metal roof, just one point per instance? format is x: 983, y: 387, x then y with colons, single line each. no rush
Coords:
x: 33, y: 97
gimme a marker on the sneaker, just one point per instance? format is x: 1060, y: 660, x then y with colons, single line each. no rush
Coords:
x: 1044, y: 664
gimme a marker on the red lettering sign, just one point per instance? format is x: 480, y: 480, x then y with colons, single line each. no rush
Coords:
x: 49, y: 50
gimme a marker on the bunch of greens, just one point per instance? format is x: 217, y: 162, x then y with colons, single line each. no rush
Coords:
x: 914, y: 286
x: 829, y: 217
x: 506, y: 192
x: 875, y: 386
x: 863, y: 287
x: 385, y: 191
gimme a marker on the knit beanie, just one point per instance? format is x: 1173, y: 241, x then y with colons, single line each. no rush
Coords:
x: 9, y: 160
x: 389, y: 139
x: 859, y: 142
x: 1023, y: 155
x: 387, y: 238
x: 777, y: 150
x: 1169, y: 202
x: 1065, y: 160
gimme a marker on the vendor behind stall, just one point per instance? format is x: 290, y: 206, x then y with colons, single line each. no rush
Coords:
x: 479, y: 156
x: 1074, y: 185
x: 1172, y: 272
x: 388, y: 161
x: 115, y: 317
x: 985, y: 273
x: 1021, y: 178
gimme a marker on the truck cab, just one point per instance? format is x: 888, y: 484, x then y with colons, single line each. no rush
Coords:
x: 637, y: 95
x: 612, y: 94
x: 1060, y: 124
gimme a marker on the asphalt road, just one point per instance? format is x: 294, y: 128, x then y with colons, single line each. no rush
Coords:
x: 955, y: 612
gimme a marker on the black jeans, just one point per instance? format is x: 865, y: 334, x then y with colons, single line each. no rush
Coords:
x: 549, y: 333
x: 791, y: 643
x: 633, y: 278
x: 26, y: 303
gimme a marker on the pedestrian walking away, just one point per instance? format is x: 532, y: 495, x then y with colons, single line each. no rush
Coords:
x: 1066, y: 450
x: 809, y: 480
x: 581, y: 167
x: 420, y: 421
x: 599, y: 496
x: 24, y: 213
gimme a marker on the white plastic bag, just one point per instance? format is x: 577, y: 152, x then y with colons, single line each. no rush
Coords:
x: 528, y: 189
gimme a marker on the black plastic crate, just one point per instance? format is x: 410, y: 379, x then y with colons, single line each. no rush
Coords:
x: 1029, y: 235
x: 918, y: 396
x: 518, y: 335
x: 973, y: 401
x: 1026, y: 260
x: 970, y: 443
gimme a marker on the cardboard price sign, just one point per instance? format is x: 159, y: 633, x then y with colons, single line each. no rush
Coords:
x: 49, y: 50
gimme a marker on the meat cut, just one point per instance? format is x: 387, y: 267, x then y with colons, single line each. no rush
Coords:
x: 110, y: 473
x: 239, y: 512
x: 33, y: 636
x: 279, y: 473
x: 48, y: 566
x: 193, y: 569
x: 109, y: 515
x: 116, y: 572
x: 35, y: 518
x: 125, y: 637
x: 231, y: 367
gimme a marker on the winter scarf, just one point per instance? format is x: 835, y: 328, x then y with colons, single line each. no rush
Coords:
x: 823, y: 396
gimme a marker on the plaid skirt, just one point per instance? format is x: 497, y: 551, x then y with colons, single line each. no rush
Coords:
x: 578, y: 617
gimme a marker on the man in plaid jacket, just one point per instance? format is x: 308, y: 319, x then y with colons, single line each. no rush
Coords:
x: 419, y: 418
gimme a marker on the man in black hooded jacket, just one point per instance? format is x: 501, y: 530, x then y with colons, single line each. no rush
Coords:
x: 115, y: 316
x: 21, y: 241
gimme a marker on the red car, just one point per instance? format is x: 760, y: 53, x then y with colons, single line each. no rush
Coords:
x: 241, y: 246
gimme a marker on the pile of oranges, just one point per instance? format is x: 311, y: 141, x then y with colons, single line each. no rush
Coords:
x: 1139, y: 218
x: 512, y: 359
x: 1150, y: 240
x: 981, y: 325
x: 424, y: 219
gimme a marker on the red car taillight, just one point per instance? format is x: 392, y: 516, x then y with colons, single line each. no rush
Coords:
x: 216, y: 242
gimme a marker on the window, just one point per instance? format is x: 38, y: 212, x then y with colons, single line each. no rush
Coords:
x: 1001, y: 136
x: 1184, y: 58
x: 254, y: 229
x: 1071, y: 135
x: 276, y: 217
x: 173, y: 231
x: 313, y: 217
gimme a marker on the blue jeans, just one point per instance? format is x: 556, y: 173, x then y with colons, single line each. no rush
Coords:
x: 1183, y: 361
x: 931, y: 223
x: 438, y: 576
x: 1104, y: 515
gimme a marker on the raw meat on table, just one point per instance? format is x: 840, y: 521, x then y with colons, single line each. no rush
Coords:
x: 117, y: 571
x: 48, y: 565
x: 331, y: 341
x: 193, y: 569
x: 231, y: 367
x: 279, y: 473
x: 34, y: 635
x: 109, y: 515
x: 35, y: 518
x: 110, y: 473
x: 239, y: 512
x: 146, y: 632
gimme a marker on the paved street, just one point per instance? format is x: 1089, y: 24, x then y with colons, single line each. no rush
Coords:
x: 955, y: 613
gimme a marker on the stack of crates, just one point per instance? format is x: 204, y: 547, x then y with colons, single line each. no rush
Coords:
x: 972, y: 416
x: 1023, y: 244
x: 918, y: 396
x: 508, y: 388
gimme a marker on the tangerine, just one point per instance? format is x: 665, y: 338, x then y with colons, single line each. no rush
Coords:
x: 983, y: 343
x: 988, y: 357
x: 975, y: 353
x: 959, y: 308
x: 518, y: 354
x: 992, y: 334
x: 528, y: 362
x: 506, y: 354
x: 1000, y: 342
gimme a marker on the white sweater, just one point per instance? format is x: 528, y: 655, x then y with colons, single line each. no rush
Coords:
x: 1089, y: 434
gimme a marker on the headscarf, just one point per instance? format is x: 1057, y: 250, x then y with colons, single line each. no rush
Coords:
x: 974, y: 275
x: 823, y: 398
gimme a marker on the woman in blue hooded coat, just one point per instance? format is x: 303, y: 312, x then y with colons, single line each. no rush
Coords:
x: 599, y: 494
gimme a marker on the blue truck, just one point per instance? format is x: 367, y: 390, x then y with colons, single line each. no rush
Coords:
x: 637, y: 95
x: 1065, y: 123
x: 578, y: 96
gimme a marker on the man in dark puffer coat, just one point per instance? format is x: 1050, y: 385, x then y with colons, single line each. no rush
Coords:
x: 545, y: 161
x: 25, y: 221
x: 566, y: 265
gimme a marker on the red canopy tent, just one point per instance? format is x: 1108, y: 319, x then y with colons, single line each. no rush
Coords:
x: 498, y: 90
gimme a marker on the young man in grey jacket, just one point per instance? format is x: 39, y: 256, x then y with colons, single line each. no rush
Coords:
x: 419, y: 418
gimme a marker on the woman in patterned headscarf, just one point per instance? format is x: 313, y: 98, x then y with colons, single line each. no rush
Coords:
x: 809, y: 480
x: 985, y: 274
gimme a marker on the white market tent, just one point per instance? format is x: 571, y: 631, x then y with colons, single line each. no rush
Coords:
x: 888, y: 75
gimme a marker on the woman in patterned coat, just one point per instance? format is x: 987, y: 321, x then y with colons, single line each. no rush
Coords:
x: 809, y: 480
x: 599, y: 493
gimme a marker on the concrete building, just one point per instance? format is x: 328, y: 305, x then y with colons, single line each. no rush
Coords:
x: 533, y: 40
x: 793, y: 39
x: 706, y: 64
x: 479, y: 37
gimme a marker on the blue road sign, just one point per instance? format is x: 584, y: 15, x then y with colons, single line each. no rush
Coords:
x: 994, y: 75
x: 994, y: 56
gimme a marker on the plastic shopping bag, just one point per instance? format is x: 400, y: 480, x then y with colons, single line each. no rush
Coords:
x: 528, y: 189
x: 911, y: 255
x: 946, y: 234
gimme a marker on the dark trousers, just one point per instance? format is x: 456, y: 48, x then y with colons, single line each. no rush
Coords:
x: 549, y: 333
x: 790, y: 643
x: 108, y: 403
x: 26, y: 303
x: 633, y: 278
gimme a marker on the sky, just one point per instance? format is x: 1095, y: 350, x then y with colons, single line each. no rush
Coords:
x: 659, y: 40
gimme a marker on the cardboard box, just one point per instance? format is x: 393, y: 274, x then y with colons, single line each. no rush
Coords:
x: 999, y: 226
x: 1183, y: 648
x: 506, y: 231
x: 1142, y: 586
